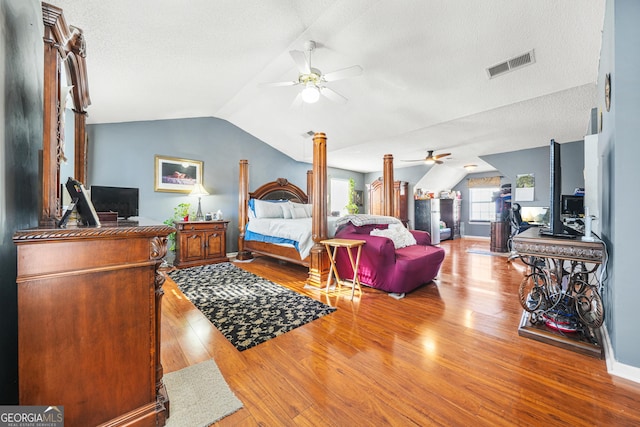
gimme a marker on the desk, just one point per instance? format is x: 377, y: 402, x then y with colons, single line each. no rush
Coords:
x: 560, y: 292
x: 348, y: 244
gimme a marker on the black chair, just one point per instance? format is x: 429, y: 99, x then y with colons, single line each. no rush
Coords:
x: 517, y: 227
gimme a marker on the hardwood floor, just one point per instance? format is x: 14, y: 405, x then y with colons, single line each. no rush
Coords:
x: 447, y: 354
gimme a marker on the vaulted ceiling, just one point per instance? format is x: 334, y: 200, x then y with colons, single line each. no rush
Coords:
x: 424, y: 85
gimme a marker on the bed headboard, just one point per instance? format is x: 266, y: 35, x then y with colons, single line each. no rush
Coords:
x: 280, y: 189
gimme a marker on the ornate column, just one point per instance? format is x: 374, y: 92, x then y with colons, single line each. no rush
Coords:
x: 318, y: 258
x: 387, y: 182
x: 243, y: 214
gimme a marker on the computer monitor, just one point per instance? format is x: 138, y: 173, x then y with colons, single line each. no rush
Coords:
x: 535, y: 215
x: 572, y: 206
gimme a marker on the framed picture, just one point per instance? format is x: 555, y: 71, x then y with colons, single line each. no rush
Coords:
x: 175, y: 175
x: 359, y: 198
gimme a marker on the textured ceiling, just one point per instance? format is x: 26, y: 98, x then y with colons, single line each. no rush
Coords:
x: 424, y: 84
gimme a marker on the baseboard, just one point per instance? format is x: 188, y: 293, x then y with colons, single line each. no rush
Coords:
x: 476, y: 237
x: 614, y: 367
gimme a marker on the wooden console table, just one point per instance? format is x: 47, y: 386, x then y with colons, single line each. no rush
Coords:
x: 89, y: 315
x: 560, y: 292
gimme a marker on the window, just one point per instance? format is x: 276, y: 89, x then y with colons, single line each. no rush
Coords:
x: 481, y: 206
x: 339, y: 195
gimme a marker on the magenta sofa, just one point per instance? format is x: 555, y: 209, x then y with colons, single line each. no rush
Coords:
x: 384, y: 267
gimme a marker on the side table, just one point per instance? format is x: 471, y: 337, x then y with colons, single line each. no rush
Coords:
x: 348, y: 244
x: 200, y: 242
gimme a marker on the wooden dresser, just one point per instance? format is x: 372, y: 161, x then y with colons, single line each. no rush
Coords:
x: 89, y: 312
x: 400, y: 201
x: 200, y: 242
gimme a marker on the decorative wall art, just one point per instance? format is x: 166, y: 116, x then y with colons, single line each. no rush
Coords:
x: 177, y: 175
x: 525, y: 186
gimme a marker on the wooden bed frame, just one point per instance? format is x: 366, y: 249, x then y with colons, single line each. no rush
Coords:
x: 280, y: 189
x: 317, y: 261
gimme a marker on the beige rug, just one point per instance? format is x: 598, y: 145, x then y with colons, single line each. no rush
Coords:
x: 199, y: 396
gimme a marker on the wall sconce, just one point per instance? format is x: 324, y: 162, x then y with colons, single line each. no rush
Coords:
x: 470, y: 168
x: 199, y: 190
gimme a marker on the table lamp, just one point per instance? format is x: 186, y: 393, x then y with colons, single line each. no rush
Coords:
x: 199, y: 190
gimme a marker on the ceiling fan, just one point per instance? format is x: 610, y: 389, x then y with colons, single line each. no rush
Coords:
x: 313, y: 79
x: 431, y: 159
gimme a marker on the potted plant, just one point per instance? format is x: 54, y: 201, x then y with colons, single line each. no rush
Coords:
x: 180, y: 213
x: 351, y: 206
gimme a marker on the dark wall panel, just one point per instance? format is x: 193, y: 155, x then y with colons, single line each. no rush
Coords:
x: 21, y: 79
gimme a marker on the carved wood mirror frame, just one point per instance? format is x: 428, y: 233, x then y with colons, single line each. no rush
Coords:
x: 64, y: 51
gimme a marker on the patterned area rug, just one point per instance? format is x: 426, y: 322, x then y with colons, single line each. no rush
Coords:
x: 246, y: 308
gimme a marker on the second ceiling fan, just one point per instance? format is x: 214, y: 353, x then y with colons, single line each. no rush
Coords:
x: 431, y: 159
x: 313, y: 79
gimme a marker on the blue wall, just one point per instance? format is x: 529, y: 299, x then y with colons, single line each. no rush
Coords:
x: 535, y: 161
x: 620, y: 151
x: 122, y: 154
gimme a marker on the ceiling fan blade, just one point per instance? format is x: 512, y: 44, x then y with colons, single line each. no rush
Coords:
x: 344, y: 73
x: 301, y: 61
x: 333, y: 95
x: 439, y: 162
x: 297, y: 101
x: 414, y: 160
x: 439, y: 156
x: 278, y: 84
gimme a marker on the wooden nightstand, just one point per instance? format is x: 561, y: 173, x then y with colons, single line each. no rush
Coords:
x: 200, y: 242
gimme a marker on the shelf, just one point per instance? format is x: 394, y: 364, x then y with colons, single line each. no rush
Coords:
x: 576, y: 341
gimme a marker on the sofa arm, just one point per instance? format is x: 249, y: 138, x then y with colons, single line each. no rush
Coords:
x: 422, y: 237
x: 375, y: 246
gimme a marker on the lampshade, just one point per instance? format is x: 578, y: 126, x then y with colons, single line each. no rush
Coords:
x: 310, y: 93
x: 199, y: 190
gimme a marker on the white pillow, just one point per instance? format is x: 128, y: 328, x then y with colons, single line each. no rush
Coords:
x: 398, y: 234
x: 286, y: 210
x: 266, y: 209
x: 298, y: 213
x: 308, y: 208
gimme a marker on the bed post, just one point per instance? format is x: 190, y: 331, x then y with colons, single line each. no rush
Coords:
x: 243, y: 214
x: 387, y: 183
x: 310, y: 186
x: 318, y: 259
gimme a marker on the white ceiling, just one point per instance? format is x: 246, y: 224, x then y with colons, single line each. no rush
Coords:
x: 424, y: 84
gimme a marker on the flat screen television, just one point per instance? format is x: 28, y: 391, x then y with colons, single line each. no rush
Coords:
x: 123, y: 200
x: 556, y: 227
x: 572, y: 206
x: 82, y: 203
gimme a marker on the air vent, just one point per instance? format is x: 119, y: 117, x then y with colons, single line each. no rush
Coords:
x: 511, y: 64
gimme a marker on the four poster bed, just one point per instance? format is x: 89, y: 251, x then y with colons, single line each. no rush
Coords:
x: 311, y: 207
x: 280, y: 202
x: 266, y: 207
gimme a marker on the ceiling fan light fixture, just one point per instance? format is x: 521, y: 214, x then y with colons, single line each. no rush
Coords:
x: 429, y: 161
x: 310, y: 94
x: 470, y: 168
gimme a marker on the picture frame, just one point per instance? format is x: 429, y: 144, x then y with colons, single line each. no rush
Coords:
x: 359, y: 198
x: 176, y: 175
